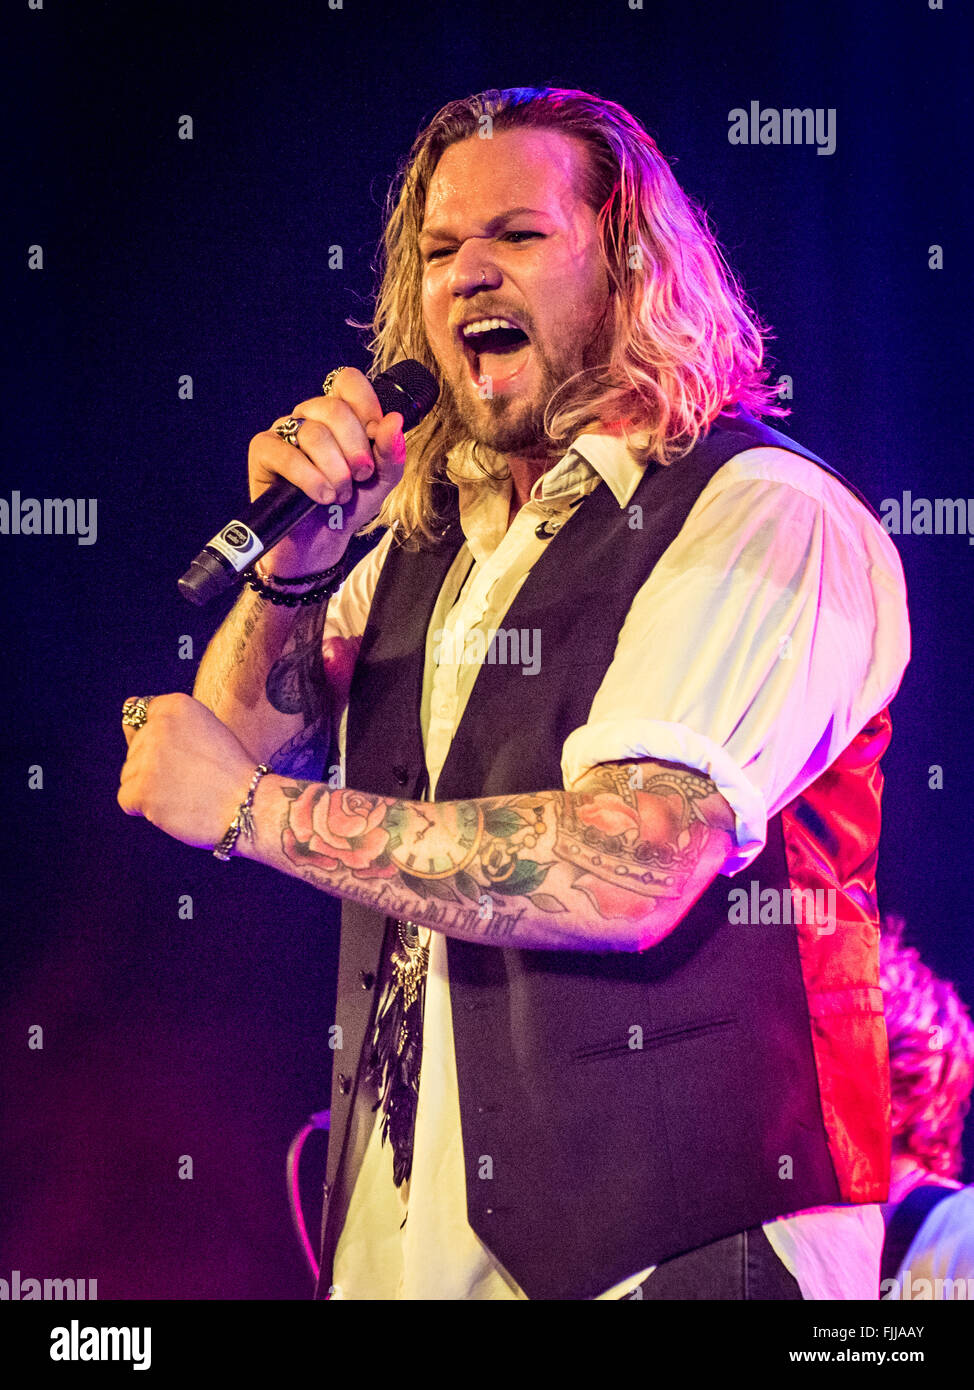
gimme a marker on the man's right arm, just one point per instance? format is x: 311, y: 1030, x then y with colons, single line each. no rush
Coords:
x: 263, y: 675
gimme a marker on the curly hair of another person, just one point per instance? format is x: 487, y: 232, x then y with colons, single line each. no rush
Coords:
x: 931, y: 1053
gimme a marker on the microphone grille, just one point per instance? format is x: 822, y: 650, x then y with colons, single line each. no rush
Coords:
x: 409, y: 388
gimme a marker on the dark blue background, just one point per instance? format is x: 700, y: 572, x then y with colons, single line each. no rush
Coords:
x: 208, y: 1037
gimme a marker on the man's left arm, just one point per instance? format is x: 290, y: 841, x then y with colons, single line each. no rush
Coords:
x: 612, y: 865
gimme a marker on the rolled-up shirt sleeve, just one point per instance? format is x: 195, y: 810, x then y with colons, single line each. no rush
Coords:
x: 772, y: 629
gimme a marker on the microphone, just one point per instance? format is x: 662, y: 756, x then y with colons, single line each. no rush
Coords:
x: 406, y: 387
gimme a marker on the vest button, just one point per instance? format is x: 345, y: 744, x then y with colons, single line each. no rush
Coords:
x: 344, y: 1085
x: 367, y: 978
x: 401, y: 773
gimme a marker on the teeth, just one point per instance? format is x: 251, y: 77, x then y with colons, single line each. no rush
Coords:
x: 485, y: 326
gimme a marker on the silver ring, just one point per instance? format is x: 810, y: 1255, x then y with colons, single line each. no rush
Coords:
x: 288, y: 430
x: 136, y: 711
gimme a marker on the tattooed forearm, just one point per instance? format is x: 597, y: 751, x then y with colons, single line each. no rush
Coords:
x: 296, y: 680
x: 306, y: 754
x: 263, y: 676
x: 227, y: 652
x: 612, y: 865
x: 296, y: 685
x: 251, y: 617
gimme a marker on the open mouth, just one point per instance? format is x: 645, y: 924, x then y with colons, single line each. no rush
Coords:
x: 495, y: 348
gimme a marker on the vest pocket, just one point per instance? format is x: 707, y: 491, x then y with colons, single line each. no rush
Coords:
x: 639, y: 1039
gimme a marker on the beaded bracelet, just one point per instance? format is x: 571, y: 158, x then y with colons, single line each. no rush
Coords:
x: 243, y: 820
x: 324, y: 590
x: 284, y: 581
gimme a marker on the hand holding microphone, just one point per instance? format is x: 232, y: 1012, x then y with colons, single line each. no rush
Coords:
x: 348, y: 451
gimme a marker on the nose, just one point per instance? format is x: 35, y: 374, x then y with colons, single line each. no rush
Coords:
x: 473, y: 270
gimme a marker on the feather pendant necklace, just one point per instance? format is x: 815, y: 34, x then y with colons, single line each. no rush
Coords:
x: 397, y: 1047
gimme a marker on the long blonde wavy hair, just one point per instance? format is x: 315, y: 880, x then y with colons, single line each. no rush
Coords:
x: 685, y: 345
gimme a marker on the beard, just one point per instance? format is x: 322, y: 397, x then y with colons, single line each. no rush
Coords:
x: 505, y: 423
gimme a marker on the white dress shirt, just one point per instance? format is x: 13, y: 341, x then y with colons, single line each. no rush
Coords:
x: 770, y: 631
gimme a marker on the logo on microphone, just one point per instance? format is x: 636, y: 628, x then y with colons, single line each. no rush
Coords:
x: 238, y: 544
x: 239, y: 536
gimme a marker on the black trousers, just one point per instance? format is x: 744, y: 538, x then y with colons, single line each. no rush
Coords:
x: 738, y: 1267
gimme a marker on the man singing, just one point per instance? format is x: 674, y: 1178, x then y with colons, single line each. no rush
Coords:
x: 610, y: 695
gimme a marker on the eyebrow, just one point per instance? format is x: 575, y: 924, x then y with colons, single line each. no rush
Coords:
x: 444, y: 234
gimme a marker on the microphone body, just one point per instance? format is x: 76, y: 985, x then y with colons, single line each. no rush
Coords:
x: 406, y: 387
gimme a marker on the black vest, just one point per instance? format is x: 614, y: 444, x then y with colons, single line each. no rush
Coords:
x: 606, y: 1158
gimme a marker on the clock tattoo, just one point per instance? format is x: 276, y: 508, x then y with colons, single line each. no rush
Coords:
x: 429, y: 846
